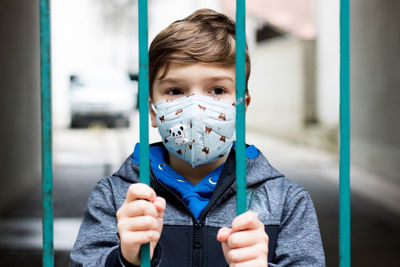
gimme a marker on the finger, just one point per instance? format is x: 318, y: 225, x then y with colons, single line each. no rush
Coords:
x: 159, y: 204
x: 259, y: 262
x: 247, y: 238
x: 140, y: 191
x: 138, y: 238
x: 141, y: 223
x: 225, y: 250
x: 247, y: 254
x: 137, y: 208
x: 223, y: 234
x: 245, y: 221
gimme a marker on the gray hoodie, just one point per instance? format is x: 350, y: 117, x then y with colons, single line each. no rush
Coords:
x: 284, y: 207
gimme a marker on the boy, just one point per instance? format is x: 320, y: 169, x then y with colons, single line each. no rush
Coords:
x: 188, y: 214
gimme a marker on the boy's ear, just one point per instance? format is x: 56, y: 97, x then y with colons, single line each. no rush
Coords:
x: 247, y: 101
x: 152, y: 115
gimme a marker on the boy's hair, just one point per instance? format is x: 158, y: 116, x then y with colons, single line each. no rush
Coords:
x: 205, y: 36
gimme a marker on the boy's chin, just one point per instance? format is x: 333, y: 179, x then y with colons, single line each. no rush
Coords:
x: 201, y: 165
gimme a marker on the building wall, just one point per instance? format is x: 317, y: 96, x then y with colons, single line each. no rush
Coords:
x: 282, y: 87
x: 375, y: 86
x: 19, y: 97
x: 327, y: 71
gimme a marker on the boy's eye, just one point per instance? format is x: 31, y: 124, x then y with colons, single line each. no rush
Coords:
x: 174, y: 91
x: 218, y: 91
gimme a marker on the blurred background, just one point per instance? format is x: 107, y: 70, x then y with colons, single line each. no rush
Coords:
x: 293, y: 117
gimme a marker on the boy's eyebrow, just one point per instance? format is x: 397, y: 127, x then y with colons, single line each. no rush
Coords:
x: 213, y: 79
x: 169, y: 80
x: 221, y: 78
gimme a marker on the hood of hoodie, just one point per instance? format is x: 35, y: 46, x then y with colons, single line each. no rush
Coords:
x: 256, y: 164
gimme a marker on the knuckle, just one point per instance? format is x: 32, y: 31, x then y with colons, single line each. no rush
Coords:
x: 142, y: 205
x: 156, y: 235
x: 264, y: 250
x: 119, y: 230
x: 118, y: 214
x: 125, y: 239
x: 233, y: 241
x: 252, y: 215
x: 132, y: 188
x: 121, y: 225
x: 121, y: 212
x: 266, y: 237
x: 254, y: 219
x: 130, y: 242
x: 232, y: 256
x: 153, y: 235
x: 149, y: 221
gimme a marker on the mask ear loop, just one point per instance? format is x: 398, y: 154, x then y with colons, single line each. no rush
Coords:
x: 153, y: 107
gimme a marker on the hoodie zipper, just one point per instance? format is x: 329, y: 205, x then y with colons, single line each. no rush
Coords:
x: 211, y: 204
x: 197, y: 224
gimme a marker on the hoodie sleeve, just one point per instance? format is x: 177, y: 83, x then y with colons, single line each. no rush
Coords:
x: 299, y: 241
x: 98, y: 234
x: 98, y: 241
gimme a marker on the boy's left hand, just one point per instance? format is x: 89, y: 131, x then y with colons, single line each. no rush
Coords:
x: 246, y: 243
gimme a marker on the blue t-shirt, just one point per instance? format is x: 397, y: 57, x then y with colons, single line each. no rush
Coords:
x: 195, y: 196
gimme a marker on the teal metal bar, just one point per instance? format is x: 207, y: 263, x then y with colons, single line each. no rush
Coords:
x: 344, y: 183
x: 144, y: 112
x: 47, y: 172
x: 240, y: 106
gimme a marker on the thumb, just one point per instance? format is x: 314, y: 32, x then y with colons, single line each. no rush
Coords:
x: 223, y: 234
x: 160, y: 204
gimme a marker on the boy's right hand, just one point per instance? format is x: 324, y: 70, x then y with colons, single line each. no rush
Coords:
x: 140, y: 220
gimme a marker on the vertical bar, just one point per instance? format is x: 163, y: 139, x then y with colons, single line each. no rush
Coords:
x: 47, y: 173
x: 144, y: 112
x: 240, y: 106
x: 344, y: 183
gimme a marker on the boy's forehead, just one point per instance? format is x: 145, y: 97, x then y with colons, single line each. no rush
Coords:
x: 177, y: 71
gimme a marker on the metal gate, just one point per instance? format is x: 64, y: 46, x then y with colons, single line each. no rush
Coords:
x: 47, y: 173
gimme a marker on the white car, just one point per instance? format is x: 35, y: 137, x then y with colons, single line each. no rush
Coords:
x: 108, y: 96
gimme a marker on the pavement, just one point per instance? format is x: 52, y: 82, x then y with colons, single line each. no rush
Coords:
x: 83, y: 156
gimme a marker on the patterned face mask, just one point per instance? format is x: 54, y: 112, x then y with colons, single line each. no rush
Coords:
x: 198, y: 129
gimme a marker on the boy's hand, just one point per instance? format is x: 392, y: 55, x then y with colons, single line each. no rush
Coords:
x: 140, y: 220
x: 246, y: 243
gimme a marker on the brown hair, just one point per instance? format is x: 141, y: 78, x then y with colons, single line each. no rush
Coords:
x: 205, y: 36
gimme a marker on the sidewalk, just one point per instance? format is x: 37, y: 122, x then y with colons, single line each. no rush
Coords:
x: 365, y: 183
x: 375, y: 209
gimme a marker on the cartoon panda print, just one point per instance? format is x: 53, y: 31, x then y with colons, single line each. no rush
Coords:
x: 178, y: 134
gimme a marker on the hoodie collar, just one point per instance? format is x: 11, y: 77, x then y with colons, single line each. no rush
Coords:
x: 159, y: 153
x: 258, y: 167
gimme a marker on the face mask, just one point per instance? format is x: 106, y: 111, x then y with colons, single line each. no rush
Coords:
x: 198, y: 129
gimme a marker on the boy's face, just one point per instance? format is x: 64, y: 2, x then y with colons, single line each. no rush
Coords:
x: 198, y: 78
